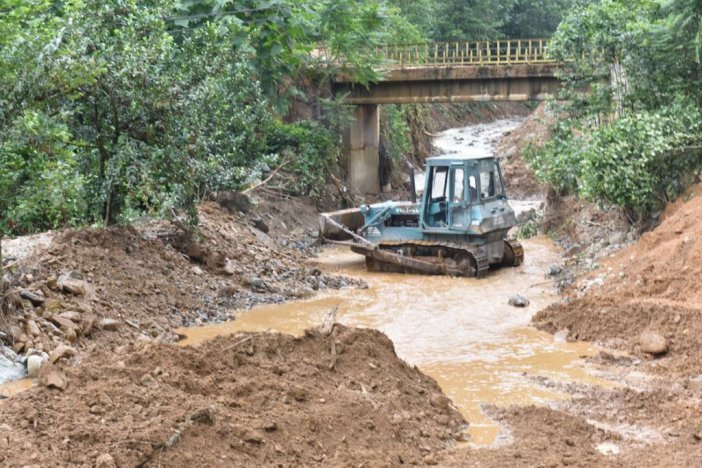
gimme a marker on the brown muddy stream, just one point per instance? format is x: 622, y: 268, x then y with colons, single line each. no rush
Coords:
x: 460, y: 331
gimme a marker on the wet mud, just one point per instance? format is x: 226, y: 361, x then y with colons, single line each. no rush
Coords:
x: 460, y: 331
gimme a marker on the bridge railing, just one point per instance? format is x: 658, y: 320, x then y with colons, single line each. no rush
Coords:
x: 458, y: 54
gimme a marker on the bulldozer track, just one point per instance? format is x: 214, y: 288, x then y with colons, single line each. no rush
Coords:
x: 517, y: 251
x: 454, y: 250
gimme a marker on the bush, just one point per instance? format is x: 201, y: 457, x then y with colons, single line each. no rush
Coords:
x: 639, y: 161
x: 312, y: 152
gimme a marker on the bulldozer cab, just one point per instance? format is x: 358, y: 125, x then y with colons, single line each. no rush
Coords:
x: 454, y: 187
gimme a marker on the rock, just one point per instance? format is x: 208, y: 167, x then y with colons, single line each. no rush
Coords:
x: 61, y: 351
x: 229, y: 267
x: 518, y: 301
x: 147, y: 380
x: 574, y: 250
x: 32, y: 328
x: 71, y: 315
x: 555, y: 270
x: 10, y: 368
x: 438, y: 400
x: 33, y: 365
x: 87, y: 324
x: 109, y: 324
x: 695, y: 384
x: 253, y: 437
x: 234, y: 201
x: 105, y: 461
x: 270, y: 426
x: 36, y: 299
x: 64, y: 323
x: 75, y: 287
x: 261, y: 225
x: 197, y: 271
x: 51, y: 376
x: 616, y: 238
x: 653, y: 343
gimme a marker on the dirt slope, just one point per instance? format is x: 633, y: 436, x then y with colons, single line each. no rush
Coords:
x: 243, y: 400
x: 117, y: 285
x: 653, y: 285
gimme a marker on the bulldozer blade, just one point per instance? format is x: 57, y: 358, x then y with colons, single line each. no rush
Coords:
x: 351, y: 219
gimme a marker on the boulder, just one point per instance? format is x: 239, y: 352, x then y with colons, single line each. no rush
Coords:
x: 109, y: 324
x: 71, y: 315
x: 34, y: 363
x: 197, y: 271
x: 32, y: 328
x: 51, y: 376
x: 518, y: 301
x: 105, y: 461
x: 35, y: 298
x: 61, y: 351
x: 234, y: 201
x: 652, y: 342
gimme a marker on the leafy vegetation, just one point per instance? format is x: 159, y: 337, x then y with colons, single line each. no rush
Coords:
x: 110, y: 110
x: 635, y: 139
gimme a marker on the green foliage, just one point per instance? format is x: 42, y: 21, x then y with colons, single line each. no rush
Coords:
x: 394, y: 125
x: 631, y: 124
x: 132, y: 120
x: 311, y: 150
x: 530, y: 227
x: 485, y: 20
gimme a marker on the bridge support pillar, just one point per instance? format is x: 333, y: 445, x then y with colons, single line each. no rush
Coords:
x: 361, y: 143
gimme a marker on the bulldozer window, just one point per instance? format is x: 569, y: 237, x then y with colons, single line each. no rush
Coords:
x: 487, y: 184
x: 473, y: 187
x: 458, y: 186
x: 439, y: 184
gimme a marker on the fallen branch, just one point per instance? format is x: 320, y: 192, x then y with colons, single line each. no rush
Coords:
x: 267, y: 179
x: 248, y: 338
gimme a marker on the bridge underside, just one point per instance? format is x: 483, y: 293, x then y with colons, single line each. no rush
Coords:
x: 430, y: 85
x: 523, y: 82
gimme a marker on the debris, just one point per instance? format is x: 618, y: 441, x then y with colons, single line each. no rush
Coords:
x: 328, y: 322
x: 518, y: 301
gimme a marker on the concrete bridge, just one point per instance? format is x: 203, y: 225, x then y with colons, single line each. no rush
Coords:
x: 505, y: 70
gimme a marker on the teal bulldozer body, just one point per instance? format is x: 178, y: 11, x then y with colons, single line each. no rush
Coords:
x: 459, y: 228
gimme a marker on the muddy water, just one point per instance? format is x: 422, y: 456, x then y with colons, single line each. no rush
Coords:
x: 461, y: 331
x: 9, y: 389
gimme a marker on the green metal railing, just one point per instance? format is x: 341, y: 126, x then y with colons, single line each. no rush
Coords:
x: 460, y: 54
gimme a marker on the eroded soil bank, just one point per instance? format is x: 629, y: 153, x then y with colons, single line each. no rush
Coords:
x: 111, y: 300
x: 244, y: 400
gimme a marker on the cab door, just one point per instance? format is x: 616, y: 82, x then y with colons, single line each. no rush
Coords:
x: 459, y: 199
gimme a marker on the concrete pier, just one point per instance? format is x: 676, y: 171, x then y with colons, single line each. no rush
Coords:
x: 361, y: 142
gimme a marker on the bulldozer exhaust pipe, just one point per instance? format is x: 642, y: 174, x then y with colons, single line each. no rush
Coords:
x: 413, y: 188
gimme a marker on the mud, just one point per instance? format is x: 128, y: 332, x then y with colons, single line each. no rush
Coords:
x: 651, y: 285
x: 460, y: 331
x: 245, y: 400
x: 152, y: 279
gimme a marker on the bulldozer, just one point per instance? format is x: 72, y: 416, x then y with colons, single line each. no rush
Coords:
x: 459, y: 228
